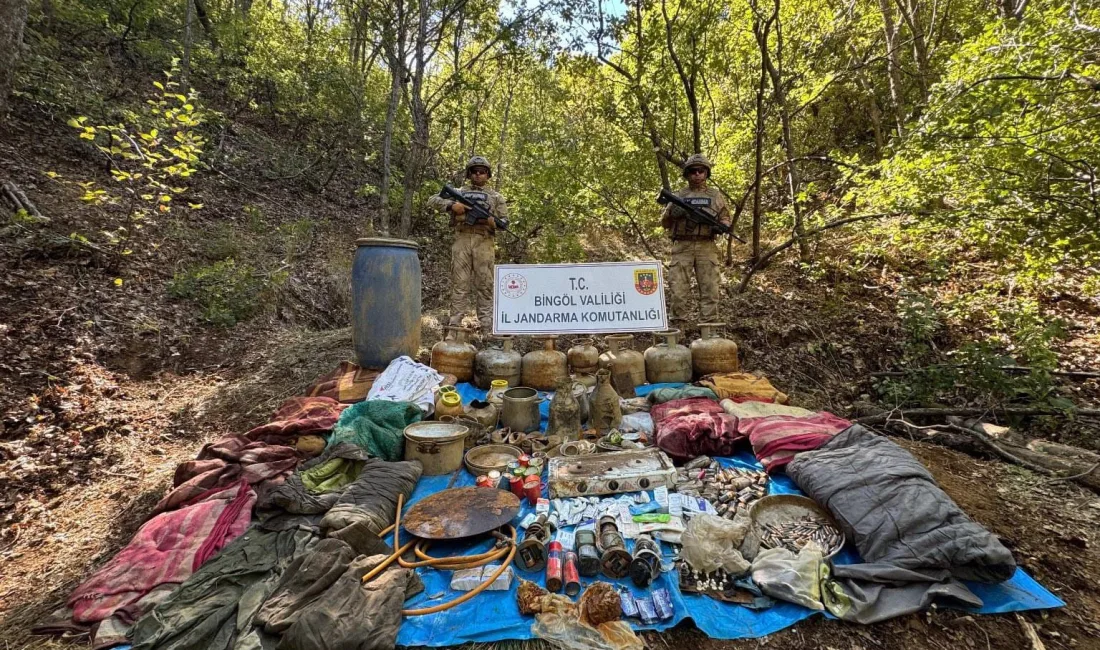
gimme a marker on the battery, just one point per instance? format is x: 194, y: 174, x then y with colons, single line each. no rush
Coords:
x: 662, y: 602
x: 630, y: 608
x: 553, y: 567
x: 572, y: 579
x: 646, y: 611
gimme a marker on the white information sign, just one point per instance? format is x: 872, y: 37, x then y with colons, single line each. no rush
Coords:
x: 579, y: 298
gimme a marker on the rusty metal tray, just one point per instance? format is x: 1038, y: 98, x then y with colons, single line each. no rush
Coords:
x: 481, y: 460
x: 460, y: 512
x: 611, y: 473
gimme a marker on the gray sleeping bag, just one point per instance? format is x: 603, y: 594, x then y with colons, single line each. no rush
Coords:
x: 916, y: 543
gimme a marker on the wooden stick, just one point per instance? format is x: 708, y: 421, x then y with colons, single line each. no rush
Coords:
x: 1002, y: 410
x: 1030, y: 634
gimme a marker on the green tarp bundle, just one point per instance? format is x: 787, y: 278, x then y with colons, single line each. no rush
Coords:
x: 377, y: 426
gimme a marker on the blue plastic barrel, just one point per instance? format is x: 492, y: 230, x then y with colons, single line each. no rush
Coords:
x: 385, y: 301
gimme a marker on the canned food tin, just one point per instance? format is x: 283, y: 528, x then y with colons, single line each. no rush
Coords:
x: 483, y: 481
x: 533, y: 489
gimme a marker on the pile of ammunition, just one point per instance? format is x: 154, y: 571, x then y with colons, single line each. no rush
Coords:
x: 794, y: 535
x: 727, y: 489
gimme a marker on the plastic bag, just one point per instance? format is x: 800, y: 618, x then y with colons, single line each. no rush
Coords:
x: 712, y: 542
x: 793, y: 578
x: 641, y: 421
x: 567, y: 632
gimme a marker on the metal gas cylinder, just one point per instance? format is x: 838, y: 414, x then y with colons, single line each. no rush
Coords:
x: 498, y: 363
x: 621, y: 357
x: 543, y: 369
x: 711, y: 353
x: 668, y: 362
x: 583, y: 357
x: 455, y: 357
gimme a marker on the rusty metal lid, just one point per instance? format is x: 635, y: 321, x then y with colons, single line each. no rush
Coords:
x: 385, y: 241
x: 435, y: 431
x: 461, y: 512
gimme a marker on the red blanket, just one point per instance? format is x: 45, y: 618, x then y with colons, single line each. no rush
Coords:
x: 166, y: 550
x: 227, y: 461
x: 692, y: 427
x: 299, y: 416
x: 776, y: 439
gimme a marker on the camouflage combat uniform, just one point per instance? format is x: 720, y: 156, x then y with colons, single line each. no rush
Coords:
x: 693, y: 249
x: 472, y: 254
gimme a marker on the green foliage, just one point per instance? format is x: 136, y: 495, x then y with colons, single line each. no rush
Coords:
x: 981, y: 370
x: 226, y: 292
x: 152, y: 154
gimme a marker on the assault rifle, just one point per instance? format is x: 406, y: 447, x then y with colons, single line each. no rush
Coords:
x: 474, y: 212
x: 695, y: 214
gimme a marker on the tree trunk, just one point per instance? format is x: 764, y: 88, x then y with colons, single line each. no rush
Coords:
x: 504, y: 136
x: 910, y: 13
x: 387, y: 142
x: 13, y: 17
x: 775, y: 70
x: 419, y: 147
x: 185, y: 65
x: 759, y: 147
x: 688, y: 81
x: 893, y: 76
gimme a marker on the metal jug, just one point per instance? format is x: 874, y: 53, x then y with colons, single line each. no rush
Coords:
x: 521, y: 409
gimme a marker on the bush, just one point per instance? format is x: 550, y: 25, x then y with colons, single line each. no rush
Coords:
x: 226, y: 292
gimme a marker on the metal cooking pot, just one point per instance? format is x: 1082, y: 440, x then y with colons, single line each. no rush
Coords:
x: 521, y: 409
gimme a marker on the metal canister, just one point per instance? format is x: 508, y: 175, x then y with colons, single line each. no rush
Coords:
x: 531, y: 553
x: 513, y: 468
x: 494, y: 478
x: 553, y: 566
x: 646, y: 563
x: 614, y: 559
x: 515, y: 485
x: 532, y: 487
x: 524, y: 460
x: 483, y: 481
x: 570, y: 575
x: 588, y: 558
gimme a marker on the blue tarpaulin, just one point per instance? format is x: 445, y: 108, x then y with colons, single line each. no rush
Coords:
x: 494, y: 615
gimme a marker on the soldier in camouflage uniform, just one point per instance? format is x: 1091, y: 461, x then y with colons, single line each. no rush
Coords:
x: 693, y: 247
x: 472, y: 255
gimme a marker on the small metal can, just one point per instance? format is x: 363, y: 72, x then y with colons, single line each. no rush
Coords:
x: 524, y: 460
x: 570, y: 576
x: 662, y: 602
x: 515, y: 484
x: 483, y: 481
x: 533, y: 488
x: 532, y: 470
x: 494, y: 477
x: 513, y: 468
x: 553, y: 566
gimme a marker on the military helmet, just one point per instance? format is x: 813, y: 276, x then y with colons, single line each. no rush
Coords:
x: 697, y: 160
x: 479, y: 161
